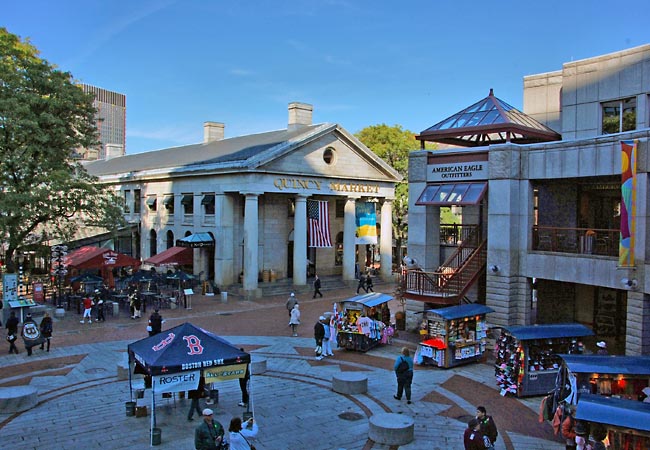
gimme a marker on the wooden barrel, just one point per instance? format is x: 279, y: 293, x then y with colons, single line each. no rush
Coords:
x: 274, y: 276
x: 265, y: 276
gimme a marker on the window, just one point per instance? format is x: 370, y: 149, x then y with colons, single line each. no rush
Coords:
x: 153, y: 243
x: 208, y: 204
x: 619, y: 116
x: 168, y: 203
x: 340, y: 208
x: 329, y: 156
x: 136, y: 201
x: 188, y: 204
x: 170, y: 238
x: 291, y: 207
x: 127, y: 208
x: 152, y: 203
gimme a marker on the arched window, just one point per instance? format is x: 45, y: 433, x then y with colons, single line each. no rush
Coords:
x: 153, y: 241
x: 170, y: 238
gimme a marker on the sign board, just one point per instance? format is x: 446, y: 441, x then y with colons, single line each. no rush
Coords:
x: 10, y: 287
x: 188, y: 291
x: 21, y: 303
x: 176, y: 382
x: 223, y: 373
x: 455, y: 171
x: 110, y: 258
x: 38, y: 292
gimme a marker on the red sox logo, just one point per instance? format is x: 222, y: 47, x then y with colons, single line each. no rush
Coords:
x: 194, y: 344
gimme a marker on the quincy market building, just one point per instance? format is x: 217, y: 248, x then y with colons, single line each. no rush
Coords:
x: 542, y: 204
x: 242, y: 202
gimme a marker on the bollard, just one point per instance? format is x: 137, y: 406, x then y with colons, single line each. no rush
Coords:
x: 224, y: 297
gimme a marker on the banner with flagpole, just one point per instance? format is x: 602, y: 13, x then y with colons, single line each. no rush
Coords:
x: 318, y: 226
x: 628, y: 203
x: 366, y: 221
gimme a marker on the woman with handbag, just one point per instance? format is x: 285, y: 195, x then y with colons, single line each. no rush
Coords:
x: 239, y: 434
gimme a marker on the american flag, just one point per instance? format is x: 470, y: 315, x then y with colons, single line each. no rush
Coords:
x: 319, y: 224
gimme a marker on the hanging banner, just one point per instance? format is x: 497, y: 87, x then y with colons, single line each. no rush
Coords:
x: 366, y: 221
x: 223, y: 373
x: 628, y: 203
x: 177, y: 382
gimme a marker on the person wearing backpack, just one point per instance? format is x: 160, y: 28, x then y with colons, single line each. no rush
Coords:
x: 488, y: 427
x: 404, y: 372
x: 568, y: 429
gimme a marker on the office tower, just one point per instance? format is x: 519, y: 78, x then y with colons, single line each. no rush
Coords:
x: 111, y: 123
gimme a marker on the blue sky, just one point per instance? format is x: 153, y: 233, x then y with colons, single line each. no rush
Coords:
x: 358, y: 62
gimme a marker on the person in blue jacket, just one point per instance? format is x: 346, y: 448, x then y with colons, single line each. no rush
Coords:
x: 404, y: 371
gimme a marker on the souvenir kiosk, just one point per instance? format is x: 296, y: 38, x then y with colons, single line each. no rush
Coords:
x: 453, y: 336
x: 527, y: 357
x: 359, y: 321
x: 613, y: 391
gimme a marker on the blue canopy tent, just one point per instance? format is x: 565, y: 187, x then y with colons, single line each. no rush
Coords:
x: 356, y: 310
x: 177, y: 357
x: 625, y: 414
x: 370, y: 299
x: 456, y: 312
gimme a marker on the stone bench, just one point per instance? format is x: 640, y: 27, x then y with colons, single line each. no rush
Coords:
x: 38, y: 310
x: 17, y: 399
x: 59, y: 313
x: 391, y: 429
x: 350, y: 383
x: 258, y: 365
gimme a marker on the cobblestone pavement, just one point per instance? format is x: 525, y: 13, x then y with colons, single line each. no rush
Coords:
x: 82, y: 403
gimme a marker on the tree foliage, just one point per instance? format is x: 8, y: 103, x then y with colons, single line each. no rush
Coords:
x: 44, y: 118
x: 393, y: 144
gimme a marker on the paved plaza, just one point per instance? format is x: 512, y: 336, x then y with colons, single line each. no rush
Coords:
x: 82, y: 402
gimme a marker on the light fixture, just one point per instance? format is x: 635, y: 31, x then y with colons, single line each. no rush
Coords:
x: 494, y: 268
x: 629, y: 283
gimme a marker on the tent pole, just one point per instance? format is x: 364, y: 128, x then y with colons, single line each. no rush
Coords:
x: 128, y: 366
x: 153, y: 409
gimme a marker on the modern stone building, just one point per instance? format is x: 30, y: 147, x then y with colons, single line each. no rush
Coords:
x: 244, y: 202
x: 542, y: 197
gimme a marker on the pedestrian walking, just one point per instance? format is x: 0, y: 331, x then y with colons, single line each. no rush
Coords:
x: 195, y: 395
x: 404, y: 372
x: 12, y: 332
x: 243, y: 386
x: 488, y: 427
x: 568, y: 429
x: 135, y: 305
x: 362, y: 283
x: 88, y: 307
x: 294, y: 320
x: 155, y: 323
x: 327, y: 337
x: 239, y: 433
x: 368, y: 286
x: 31, y: 334
x: 473, y: 438
x: 319, y: 334
x: 602, y: 348
x: 46, y: 330
x: 99, y: 306
x: 317, y: 287
x: 291, y: 302
x: 209, y: 434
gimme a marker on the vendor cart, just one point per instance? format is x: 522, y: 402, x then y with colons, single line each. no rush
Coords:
x: 453, y: 336
x: 362, y: 321
x: 527, y: 357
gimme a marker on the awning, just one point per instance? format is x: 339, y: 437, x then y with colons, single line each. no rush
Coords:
x: 611, y: 364
x: 98, y: 257
x: 196, y: 240
x: 208, y: 199
x: 187, y: 199
x: 151, y: 202
x: 456, y: 312
x: 370, y: 299
x: 435, y: 343
x: 614, y: 411
x: 549, y: 331
x: 168, y: 201
x: 448, y: 194
x: 173, y: 255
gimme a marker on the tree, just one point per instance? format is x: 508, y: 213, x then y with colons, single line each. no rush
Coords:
x: 393, y: 144
x: 44, y: 117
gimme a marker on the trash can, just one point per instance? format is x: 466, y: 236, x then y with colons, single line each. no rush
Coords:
x: 116, y: 309
x: 139, y: 393
x: 224, y: 297
x: 155, y: 436
x: 130, y: 409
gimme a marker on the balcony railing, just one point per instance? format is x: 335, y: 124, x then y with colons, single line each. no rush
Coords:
x: 453, y: 234
x: 588, y: 241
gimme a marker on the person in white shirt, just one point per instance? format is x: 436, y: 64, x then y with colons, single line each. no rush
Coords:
x: 241, y: 433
